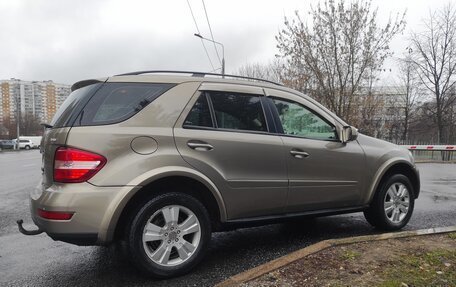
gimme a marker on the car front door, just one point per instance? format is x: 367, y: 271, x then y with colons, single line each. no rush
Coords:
x: 323, y: 172
x: 225, y: 134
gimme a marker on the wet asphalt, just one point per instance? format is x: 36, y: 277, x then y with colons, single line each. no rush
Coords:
x: 40, y: 261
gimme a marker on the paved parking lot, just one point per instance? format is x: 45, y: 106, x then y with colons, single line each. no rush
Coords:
x: 39, y: 261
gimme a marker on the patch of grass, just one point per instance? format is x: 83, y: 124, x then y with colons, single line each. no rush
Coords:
x: 434, y: 268
x: 452, y: 235
x: 350, y: 255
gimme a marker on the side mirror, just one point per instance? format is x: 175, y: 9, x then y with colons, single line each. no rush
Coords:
x: 349, y: 133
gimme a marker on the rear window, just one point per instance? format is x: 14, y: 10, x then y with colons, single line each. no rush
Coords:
x: 71, y: 107
x: 116, y: 102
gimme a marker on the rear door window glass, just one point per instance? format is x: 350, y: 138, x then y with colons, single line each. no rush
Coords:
x: 237, y: 111
x: 116, y: 102
x: 200, y: 115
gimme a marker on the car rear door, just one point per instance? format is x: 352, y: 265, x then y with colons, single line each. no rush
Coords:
x: 324, y: 173
x: 225, y: 134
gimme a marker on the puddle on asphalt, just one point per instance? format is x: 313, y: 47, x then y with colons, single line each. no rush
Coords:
x: 438, y: 198
x: 444, y: 181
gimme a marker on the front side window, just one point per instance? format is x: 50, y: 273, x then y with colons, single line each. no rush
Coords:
x: 299, y: 121
x: 236, y: 111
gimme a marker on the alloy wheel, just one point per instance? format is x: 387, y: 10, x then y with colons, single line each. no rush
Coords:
x: 171, y: 235
x: 396, y: 202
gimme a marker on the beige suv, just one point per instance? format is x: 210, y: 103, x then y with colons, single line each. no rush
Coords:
x: 162, y: 159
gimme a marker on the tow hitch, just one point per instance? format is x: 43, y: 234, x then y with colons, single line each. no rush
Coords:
x: 27, y: 232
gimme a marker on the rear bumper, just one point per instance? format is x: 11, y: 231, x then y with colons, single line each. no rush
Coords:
x: 96, y: 211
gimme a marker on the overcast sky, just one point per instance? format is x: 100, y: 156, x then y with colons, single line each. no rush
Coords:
x: 67, y: 41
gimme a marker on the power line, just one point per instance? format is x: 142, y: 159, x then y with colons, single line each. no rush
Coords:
x: 215, y: 70
x: 210, y: 30
x: 197, y: 29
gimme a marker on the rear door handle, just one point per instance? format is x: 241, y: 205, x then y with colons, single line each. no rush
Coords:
x: 199, y: 145
x: 299, y: 153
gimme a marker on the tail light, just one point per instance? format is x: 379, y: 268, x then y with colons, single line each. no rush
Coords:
x: 55, y: 215
x: 73, y: 165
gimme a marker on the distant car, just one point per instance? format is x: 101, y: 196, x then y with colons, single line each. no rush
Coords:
x: 36, y: 140
x: 7, y: 144
x: 25, y: 144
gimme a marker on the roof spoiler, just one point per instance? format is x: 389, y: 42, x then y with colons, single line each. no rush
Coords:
x: 85, y: 83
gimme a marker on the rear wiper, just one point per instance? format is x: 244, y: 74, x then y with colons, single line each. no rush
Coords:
x: 48, y: 126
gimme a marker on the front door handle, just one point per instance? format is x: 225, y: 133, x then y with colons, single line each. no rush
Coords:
x: 200, y: 145
x: 299, y: 153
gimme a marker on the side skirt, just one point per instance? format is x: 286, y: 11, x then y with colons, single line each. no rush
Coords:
x: 271, y: 219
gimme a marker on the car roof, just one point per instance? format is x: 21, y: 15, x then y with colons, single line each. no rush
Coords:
x: 178, y: 77
x: 183, y: 79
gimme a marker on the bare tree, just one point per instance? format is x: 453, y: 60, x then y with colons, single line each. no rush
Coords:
x: 435, y: 56
x: 369, y: 118
x: 273, y: 71
x: 409, y: 92
x: 341, y: 47
x: 30, y: 125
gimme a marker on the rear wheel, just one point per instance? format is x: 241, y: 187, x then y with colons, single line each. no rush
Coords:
x: 169, y: 235
x: 27, y: 147
x: 392, y: 206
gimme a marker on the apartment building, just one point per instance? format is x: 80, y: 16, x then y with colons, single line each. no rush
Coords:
x: 38, y: 98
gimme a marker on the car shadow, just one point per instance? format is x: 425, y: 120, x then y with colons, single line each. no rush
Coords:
x: 229, y: 253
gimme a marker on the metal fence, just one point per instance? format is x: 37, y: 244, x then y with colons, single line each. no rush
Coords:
x: 433, y: 152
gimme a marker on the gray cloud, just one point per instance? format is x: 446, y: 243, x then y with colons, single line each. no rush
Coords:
x: 67, y: 41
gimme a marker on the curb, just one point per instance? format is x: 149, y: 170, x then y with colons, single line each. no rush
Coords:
x: 260, y: 270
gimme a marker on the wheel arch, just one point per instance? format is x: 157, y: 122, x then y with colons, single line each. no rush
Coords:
x: 395, y: 166
x: 196, y: 185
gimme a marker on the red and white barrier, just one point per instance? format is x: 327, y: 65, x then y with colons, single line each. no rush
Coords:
x: 431, y: 147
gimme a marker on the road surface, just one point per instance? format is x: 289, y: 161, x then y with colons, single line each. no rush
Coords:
x: 40, y: 261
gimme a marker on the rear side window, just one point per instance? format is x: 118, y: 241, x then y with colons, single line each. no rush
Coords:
x: 116, y: 102
x: 238, y: 111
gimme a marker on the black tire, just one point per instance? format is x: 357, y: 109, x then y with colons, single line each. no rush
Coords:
x: 376, y: 214
x: 27, y: 147
x: 134, y: 241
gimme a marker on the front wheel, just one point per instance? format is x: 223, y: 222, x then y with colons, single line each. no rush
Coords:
x: 393, y: 203
x: 169, y: 235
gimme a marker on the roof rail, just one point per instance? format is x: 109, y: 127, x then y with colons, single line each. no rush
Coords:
x: 197, y: 74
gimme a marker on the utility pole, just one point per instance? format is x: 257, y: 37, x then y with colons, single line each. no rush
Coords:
x: 223, y: 50
x: 18, y: 117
